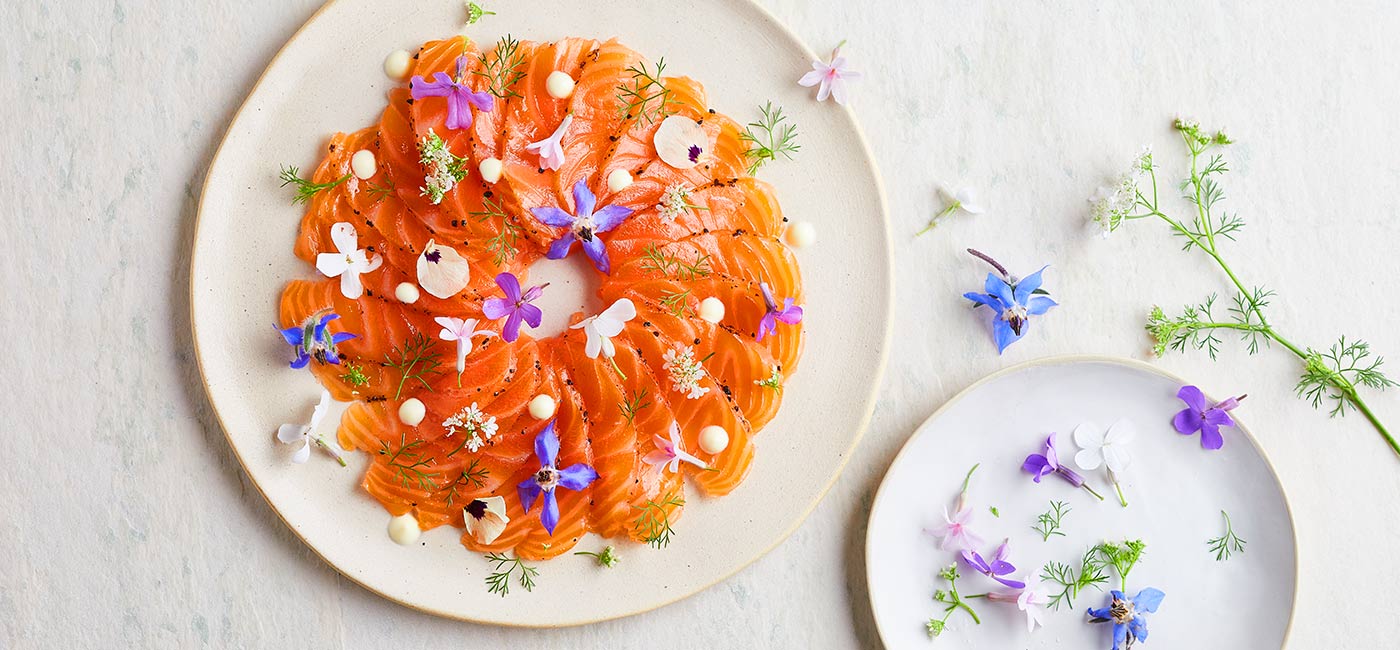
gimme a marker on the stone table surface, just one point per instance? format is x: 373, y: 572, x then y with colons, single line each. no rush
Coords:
x: 132, y: 525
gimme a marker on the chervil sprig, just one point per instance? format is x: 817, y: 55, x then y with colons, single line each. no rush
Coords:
x: 1335, y: 376
x: 654, y: 522
x: 676, y: 302
x: 503, y: 246
x: 773, y: 381
x: 771, y: 136
x: 655, y: 259
x: 499, y: 581
x: 501, y: 67
x: 408, y: 463
x: 1122, y: 557
x: 634, y: 405
x: 475, y: 12
x: 1048, y: 523
x: 952, y: 600
x: 354, y: 375
x: 607, y: 557
x: 1227, y: 544
x: 473, y: 477
x: 417, y: 359
x: 379, y: 191
x: 645, y: 96
x: 306, y: 189
x: 1072, y: 580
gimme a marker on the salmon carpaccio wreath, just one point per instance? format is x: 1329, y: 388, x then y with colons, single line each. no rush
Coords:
x: 611, y: 412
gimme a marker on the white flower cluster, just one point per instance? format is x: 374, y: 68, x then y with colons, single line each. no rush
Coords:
x: 685, y: 371
x: 444, y: 169
x: 674, y: 202
x: 471, y: 421
x: 1110, y: 205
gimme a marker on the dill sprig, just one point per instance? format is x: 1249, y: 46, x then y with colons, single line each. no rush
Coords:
x: 654, y: 522
x: 1071, y: 580
x: 503, y: 246
x: 1227, y: 544
x: 408, y: 463
x: 1048, y: 523
x: 501, y: 67
x: 655, y: 259
x: 645, y: 96
x: 417, y: 359
x: 379, y: 191
x: 633, y: 405
x: 306, y: 189
x: 607, y: 557
x: 771, y: 136
x: 354, y: 375
x: 473, y: 477
x: 676, y: 302
x: 499, y: 581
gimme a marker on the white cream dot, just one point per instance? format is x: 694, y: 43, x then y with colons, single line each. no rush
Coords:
x: 404, y: 529
x: 406, y: 293
x: 712, y: 310
x: 559, y: 85
x: 490, y: 170
x: 363, y: 164
x: 801, y: 234
x: 713, y: 439
x: 618, y: 180
x: 541, y: 407
x: 412, y: 411
x: 396, y: 64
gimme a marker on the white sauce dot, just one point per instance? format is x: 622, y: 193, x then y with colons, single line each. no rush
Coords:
x: 712, y: 310
x: 404, y: 529
x: 412, y: 411
x: 490, y: 170
x: 396, y: 64
x: 559, y: 85
x: 363, y: 164
x: 406, y: 292
x: 618, y: 180
x: 541, y: 407
x: 801, y: 234
x: 713, y: 439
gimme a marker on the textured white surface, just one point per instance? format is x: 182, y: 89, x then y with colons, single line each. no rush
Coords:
x: 132, y: 526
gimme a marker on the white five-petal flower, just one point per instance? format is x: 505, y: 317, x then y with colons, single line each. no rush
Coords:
x: 461, y: 331
x: 669, y: 454
x: 1100, y: 447
x: 486, y: 518
x: 349, y: 262
x: 551, y: 149
x: 293, y: 433
x: 830, y: 78
x: 602, y: 327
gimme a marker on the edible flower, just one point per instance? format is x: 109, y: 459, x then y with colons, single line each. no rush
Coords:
x: 1109, y: 448
x: 963, y: 200
x: 574, y: 477
x: 1040, y: 465
x: 460, y: 98
x: 444, y: 168
x: 1129, y: 625
x: 675, y: 201
x: 313, y: 340
x: 997, y: 567
x: 954, y: 532
x: 348, y: 262
x: 669, y: 454
x: 584, y: 226
x: 1012, y: 301
x: 1197, y: 417
x: 830, y: 78
x: 306, y: 433
x: 681, y: 142
x: 461, y: 331
x: 551, y: 149
x: 1028, y: 599
x: 790, y: 313
x: 685, y: 371
x: 475, y: 426
x: 515, y: 307
x: 486, y: 518
x: 600, y: 328
x: 442, y: 271
x: 1111, y: 205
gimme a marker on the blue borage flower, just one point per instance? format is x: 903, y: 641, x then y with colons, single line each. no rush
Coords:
x: 583, y: 227
x: 1012, y: 301
x: 1126, y: 615
x: 574, y: 477
x: 313, y: 340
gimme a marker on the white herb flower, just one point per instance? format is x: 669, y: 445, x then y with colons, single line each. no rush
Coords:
x: 675, y: 201
x: 1111, y: 204
x: 685, y: 371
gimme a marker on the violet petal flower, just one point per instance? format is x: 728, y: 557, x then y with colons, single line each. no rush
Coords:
x: 1129, y: 625
x: 1012, y: 305
x: 515, y: 307
x: 1041, y: 465
x: 1197, y: 417
x: 996, y: 568
x: 460, y: 97
x: 574, y: 477
x: 789, y: 313
x: 584, y: 226
x: 314, y: 340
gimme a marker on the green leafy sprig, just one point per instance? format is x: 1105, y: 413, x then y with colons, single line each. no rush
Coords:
x: 306, y: 189
x: 1229, y: 543
x: 771, y: 136
x: 499, y: 581
x: 416, y: 360
x: 645, y: 96
x: 354, y: 375
x: 607, y: 557
x: 473, y: 477
x: 475, y: 12
x: 408, y: 463
x: 1072, y: 580
x: 501, y: 67
x: 773, y: 381
x: 1048, y: 523
x: 952, y: 601
x: 504, y: 245
x: 654, y: 522
x: 669, y: 264
x: 633, y: 405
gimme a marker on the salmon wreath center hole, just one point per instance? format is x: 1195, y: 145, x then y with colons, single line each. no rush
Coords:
x: 573, y: 288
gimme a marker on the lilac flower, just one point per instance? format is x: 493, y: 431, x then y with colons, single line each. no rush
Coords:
x: 790, y: 313
x: 955, y: 531
x: 515, y: 307
x: 1129, y: 626
x: 995, y: 569
x: 1196, y: 417
x: 1039, y: 465
x: 313, y: 340
x: 551, y: 149
x: 669, y: 454
x: 574, y: 477
x: 460, y: 98
x: 585, y: 226
x: 1028, y: 600
x: 830, y: 78
x: 1012, y: 302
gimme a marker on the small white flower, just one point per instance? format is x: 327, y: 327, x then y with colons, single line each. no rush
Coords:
x: 474, y: 425
x: 675, y: 201
x: 294, y: 433
x: 964, y: 199
x: 1100, y: 447
x: 1032, y: 602
x: 442, y: 271
x: 485, y: 518
x: 685, y: 371
x: 830, y: 78
x: 681, y: 142
x: 602, y: 327
x: 551, y: 149
x: 443, y: 169
x: 461, y: 331
x: 1111, y: 204
x: 349, y: 262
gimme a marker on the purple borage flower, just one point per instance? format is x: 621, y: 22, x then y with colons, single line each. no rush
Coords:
x: 460, y: 98
x: 584, y: 226
x: 515, y: 307
x: 313, y: 340
x: 1039, y: 465
x: 789, y: 313
x: 574, y: 477
x: 1012, y: 301
x: 995, y: 569
x: 1129, y: 626
x: 1196, y: 417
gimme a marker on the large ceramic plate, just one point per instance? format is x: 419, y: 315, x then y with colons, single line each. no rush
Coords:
x: 1175, y: 490
x: 328, y: 78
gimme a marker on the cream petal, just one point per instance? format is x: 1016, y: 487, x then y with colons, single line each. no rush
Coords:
x: 623, y: 310
x: 345, y: 238
x: 350, y: 285
x: 675, y: 139
x: 446, y: 277
x: 290, y: 433
x: 1088, y: 435
x: 1116, y: 458
x: 319, y: 413
x: 332, y: 264
x: 303, y: 454
x: 594, y: 345
x: 1090, y: 459
x: 1121, y: 432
